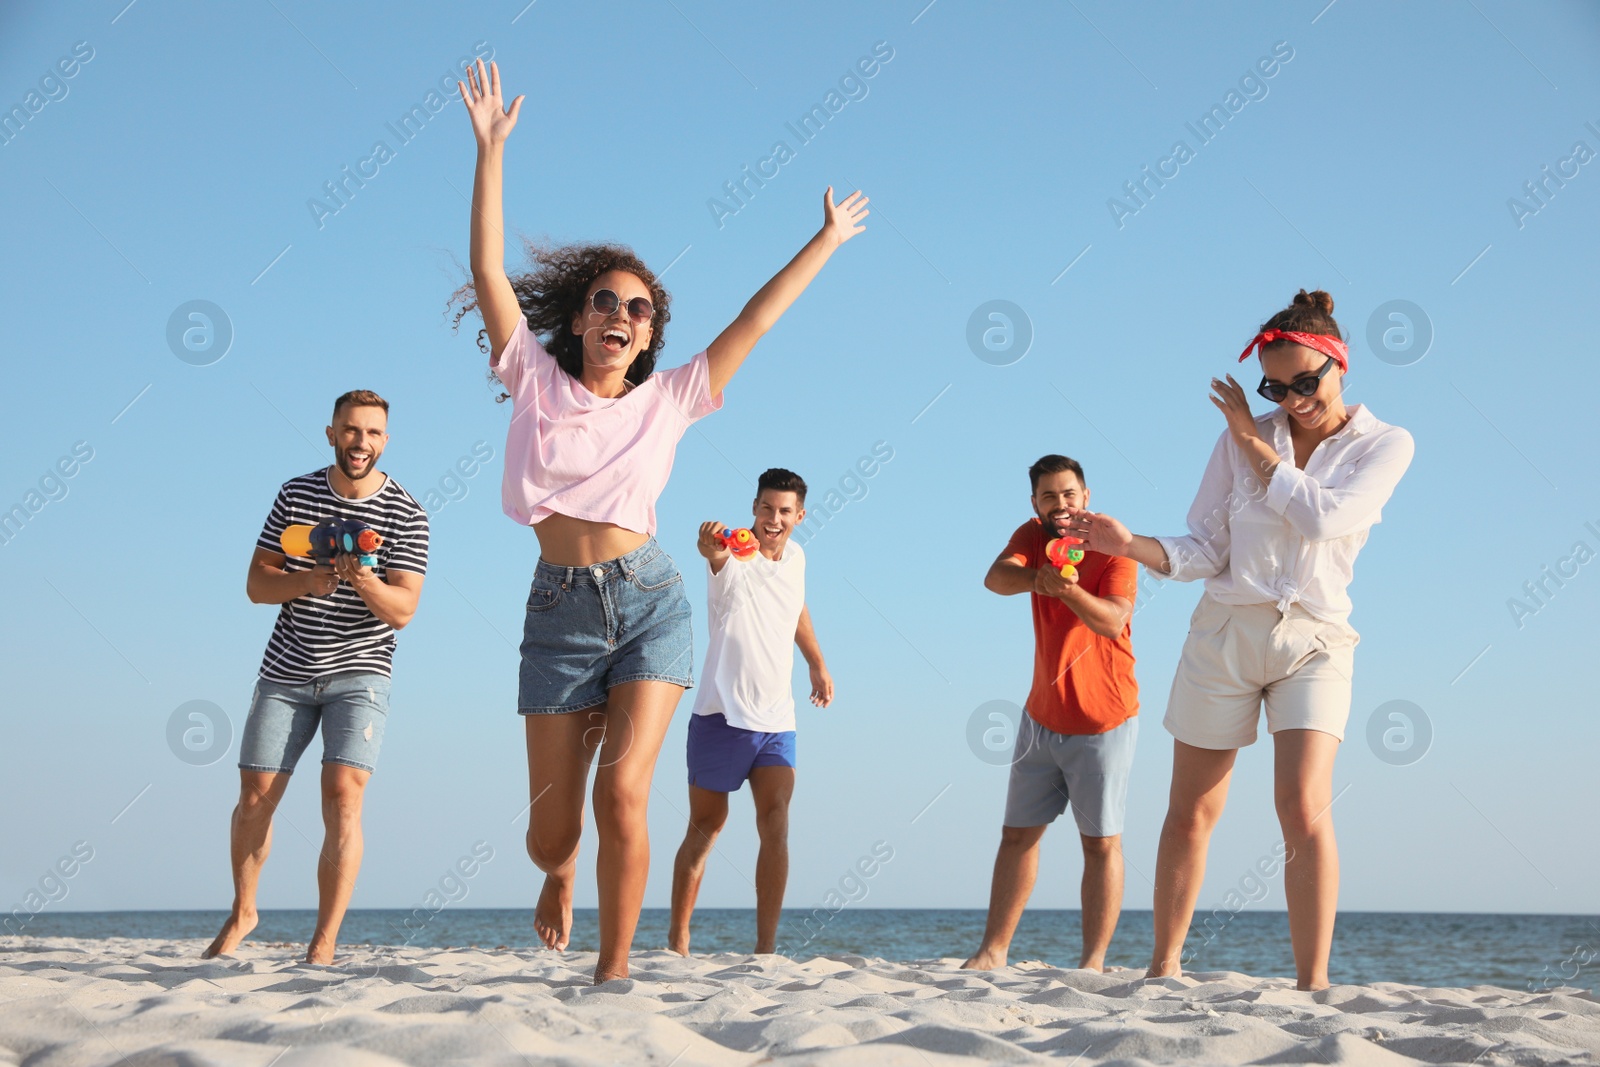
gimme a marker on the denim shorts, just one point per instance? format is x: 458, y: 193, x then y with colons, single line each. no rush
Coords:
x: 352, y: 707
x: 1089, y: 772
x: 590, y: 628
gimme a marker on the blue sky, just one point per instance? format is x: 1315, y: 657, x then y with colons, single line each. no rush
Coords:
x: 1378, y: 161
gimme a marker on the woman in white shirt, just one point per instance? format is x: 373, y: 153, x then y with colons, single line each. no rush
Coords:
x: 1285, y: 504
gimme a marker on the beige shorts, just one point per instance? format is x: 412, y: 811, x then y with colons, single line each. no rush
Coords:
x: 1238, y: 656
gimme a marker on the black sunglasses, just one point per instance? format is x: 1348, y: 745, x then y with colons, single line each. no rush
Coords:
x: 1277, y: 391
x: 606, y: 302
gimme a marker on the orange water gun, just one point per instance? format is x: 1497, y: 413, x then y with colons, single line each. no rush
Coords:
x: 741, y: 542
x: 330, y: 538
x: 1065, y: 552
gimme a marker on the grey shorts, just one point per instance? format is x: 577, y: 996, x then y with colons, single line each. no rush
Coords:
x: 1090, y: 771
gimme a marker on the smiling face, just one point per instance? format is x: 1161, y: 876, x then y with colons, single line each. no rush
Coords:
x: 358, y: 436
x: 1054, y: 494
x: 777, y: 512
x: 1286, y: 362
x: 612, y: 342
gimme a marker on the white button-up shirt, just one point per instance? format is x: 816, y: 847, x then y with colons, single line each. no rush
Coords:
x: 1296, y: 541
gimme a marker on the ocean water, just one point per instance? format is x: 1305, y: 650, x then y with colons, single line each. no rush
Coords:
x: 1514, y: 951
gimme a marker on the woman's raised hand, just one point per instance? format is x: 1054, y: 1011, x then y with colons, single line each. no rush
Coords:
x: 491, y: 122
x: 842, y: 221
x: 1100, y: 532
x: 1230, y: 400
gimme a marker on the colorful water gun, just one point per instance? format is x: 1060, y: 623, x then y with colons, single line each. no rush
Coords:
x: 330, y: 538
x: 1065, y: 552
x: 741, y: 542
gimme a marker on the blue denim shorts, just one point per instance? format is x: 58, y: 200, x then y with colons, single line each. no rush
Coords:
x: 590, y: 628
x: 351, y: 706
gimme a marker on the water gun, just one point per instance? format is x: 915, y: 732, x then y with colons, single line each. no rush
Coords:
x: 1065, y: 552
x: 333, y: 537
x: 741, y: 542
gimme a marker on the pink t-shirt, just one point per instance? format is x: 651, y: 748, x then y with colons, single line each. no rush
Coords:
x: 604, y: 459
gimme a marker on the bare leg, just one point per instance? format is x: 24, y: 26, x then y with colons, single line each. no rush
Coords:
x: 772, y: 788
x: 708, y: 811
x: 1101, y: 897
x: 637, y: 716
x: 1200, y: 779
x: 250, y: 840
x: 342, y: 790
x: 560, y: 748
x: 1303, y: 772
x: 1015, y: 868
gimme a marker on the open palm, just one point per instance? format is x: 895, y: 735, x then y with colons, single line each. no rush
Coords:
x: 1100, y: 532
x: 492, y: 123
x: 843, y: 219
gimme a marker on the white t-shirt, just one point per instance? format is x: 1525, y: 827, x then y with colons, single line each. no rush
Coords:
x: 755, y: 606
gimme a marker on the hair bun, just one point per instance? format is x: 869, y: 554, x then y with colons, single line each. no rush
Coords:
x: 1317, y: 299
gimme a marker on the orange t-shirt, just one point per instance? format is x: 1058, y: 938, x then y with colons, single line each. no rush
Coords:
x: 1082, y: 683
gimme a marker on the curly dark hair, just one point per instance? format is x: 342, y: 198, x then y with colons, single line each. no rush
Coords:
x: 557, y: 289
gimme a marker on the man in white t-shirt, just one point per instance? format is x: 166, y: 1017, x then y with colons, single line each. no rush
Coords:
x: 743, y: 722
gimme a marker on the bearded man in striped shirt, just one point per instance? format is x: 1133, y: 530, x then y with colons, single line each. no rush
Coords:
x: 327, y: 663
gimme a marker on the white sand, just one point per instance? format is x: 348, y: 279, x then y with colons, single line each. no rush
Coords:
x: 143, y: 1003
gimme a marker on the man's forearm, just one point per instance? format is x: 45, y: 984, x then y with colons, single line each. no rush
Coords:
x: 805, y: 639
x: 1099, y: 614
x: 393, y: 605
x: 1009, y: 579
x: 811, y: 652
x: 273, y: 585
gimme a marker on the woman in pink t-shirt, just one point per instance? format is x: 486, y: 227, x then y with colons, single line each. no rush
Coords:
x: 606, y: 649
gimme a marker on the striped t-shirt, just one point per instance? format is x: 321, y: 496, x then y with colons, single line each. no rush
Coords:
x: 320, y: 635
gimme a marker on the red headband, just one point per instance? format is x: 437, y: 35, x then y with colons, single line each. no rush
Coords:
x: 1328, y: 346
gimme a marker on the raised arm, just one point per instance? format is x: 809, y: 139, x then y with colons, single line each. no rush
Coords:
x: 491, y: 125
x: 841, y: 222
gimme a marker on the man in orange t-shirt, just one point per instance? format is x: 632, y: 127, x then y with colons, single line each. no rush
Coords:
x: 1075, y: 744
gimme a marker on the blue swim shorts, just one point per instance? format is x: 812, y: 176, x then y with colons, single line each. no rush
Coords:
x: 721, y: 757
x: 590, y: 628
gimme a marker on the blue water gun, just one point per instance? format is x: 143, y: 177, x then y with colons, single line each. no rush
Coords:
x: 333, y: 537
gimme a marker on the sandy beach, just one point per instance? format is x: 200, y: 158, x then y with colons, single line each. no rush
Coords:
x: 144, y: 1003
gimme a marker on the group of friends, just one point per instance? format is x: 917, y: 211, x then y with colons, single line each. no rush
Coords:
x: 1285, y: 504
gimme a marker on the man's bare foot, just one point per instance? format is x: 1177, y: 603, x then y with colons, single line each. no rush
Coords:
x: 234, y: 930
x: 1093, y: 963
x: 1157, y: 970
x: 319, y: 952
x: 678, y: 943
x: 607, y: 975
x: 1312, y: 986
x: 987, y: 959
x: 552, y: 917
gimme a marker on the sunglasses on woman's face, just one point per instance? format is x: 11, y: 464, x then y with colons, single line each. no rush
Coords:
x: 606, y: 302
x: 1277, y: 391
